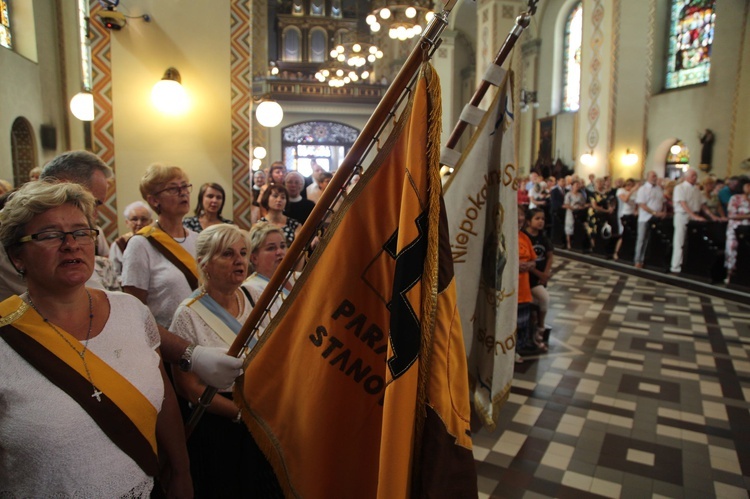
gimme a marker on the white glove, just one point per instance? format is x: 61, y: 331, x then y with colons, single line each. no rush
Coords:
x: 214, y: 367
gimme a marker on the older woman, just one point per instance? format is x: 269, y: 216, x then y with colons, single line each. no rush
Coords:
x: 738, y: 213
x: 223, y: 455
x: 85, y: 396
x: 267, y: 248
x: 159, y: 263
x: 274, y: 201
x: 211, y: 198
x: 137, y: 216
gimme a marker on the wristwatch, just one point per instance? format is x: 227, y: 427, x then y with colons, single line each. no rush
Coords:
x: 186, y: 360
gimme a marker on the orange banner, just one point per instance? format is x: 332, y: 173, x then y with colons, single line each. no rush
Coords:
x: 359, y: 388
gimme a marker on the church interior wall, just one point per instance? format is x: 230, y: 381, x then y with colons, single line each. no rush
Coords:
x: 196, y: 43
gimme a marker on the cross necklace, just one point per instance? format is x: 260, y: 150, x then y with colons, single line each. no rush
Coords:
x: 82, y: 354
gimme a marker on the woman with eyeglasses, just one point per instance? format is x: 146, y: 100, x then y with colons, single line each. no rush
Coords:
x: 87, y: 409
x: 137, y: 216
x: 211, y: 199
x: 159, y: 262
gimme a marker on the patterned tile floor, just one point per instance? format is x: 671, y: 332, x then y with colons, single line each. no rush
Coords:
x: 645, y: 392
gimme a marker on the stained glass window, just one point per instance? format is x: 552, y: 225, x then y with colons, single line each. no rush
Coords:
x: 571, y: 99
x: 4, y: 25
x: 326, y: 142
x: 691, y: 36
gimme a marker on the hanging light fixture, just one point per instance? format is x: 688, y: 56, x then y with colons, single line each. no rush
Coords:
x: 168, y: 94
x: 402, y: 21
x: 82, y: 105
x: 268, y: 112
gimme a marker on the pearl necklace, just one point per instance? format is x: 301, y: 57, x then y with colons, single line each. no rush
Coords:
x: 82, y: 354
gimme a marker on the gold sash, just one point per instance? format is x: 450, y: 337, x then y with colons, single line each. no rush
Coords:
x: 125, y: 415
x: 171, y: 249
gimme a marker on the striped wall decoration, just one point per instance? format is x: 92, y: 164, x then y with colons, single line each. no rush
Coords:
x: 240, y: 47
x: 102, y: 128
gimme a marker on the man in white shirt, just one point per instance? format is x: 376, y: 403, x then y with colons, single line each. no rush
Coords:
x: 314, y: 190
x: 688, y: 205
x: 650, y: 201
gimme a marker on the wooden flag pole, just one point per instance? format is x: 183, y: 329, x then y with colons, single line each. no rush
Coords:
x: 421, y: 52
x: 522, y: 22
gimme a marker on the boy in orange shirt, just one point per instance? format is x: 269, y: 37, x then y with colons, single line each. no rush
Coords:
x: 527, y: 260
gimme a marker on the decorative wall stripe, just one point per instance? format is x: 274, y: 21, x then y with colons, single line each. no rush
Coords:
x: 649, y: 81
x: 595, y: 87
x: 102, y: 128
x: 240, y: 47
x: 614, y: 57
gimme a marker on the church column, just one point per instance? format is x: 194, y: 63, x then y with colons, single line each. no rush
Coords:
x: 527, y: 80
x: 596, y: 87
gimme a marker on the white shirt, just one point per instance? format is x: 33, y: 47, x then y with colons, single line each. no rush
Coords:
x: 144, y: 267
x: 653, y: 197
x: 314, y: 192
x: 690, y: 194
x: 50, y: 446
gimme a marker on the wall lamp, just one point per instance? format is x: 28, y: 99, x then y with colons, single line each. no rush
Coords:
x: 588, y: 158
x: 268, y: 112
x: 629, y: 158
x: 82, y: 105
x: 168, y: 94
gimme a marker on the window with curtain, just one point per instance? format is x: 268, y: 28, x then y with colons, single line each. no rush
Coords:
x: 318, y: 49
x: 292, y: 44
x: 5, y: 40
x: 571, y: 99
x: 691, y: 35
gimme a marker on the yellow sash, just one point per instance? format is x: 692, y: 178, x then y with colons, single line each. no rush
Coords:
x: 126, y: 397
x: 175, y: 253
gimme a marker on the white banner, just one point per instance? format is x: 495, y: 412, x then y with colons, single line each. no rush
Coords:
x: 482, y: 205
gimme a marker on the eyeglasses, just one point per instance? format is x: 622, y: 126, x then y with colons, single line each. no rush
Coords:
x: 83, y: 237
x: 176, y: 190
x: 139, y: 219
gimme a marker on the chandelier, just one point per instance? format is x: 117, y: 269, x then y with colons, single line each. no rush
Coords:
x: 338, y: 75
x: 351, y: 62
x: 402, y: 21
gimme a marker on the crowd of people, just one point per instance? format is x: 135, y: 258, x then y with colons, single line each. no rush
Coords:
x: 120, y: 341
x: 553, y: 211
x: 595, y: 210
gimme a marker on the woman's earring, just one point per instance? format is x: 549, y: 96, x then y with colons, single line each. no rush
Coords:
x: 22, y: 273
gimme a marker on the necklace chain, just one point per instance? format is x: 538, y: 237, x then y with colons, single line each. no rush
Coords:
x: 82, y: 354
x: 184, y: 232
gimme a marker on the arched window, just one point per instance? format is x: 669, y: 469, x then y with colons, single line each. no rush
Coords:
x: 318, y: 48
x: 291, y: 41
x: 571, y: 98
x: 4, y: 25
x: 22, y: 150
x: 691, y: 36
x: 317, y: 8
x: 336, y: 8
x: 297, y: 8
x: 678, y: 160
x: 326, y: 142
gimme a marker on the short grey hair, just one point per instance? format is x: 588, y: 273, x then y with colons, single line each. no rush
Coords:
x: 76, y: 166
x: 35, y: 198
x: 137, y: 204
x: 297, y: 174
x: 215, y: 239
